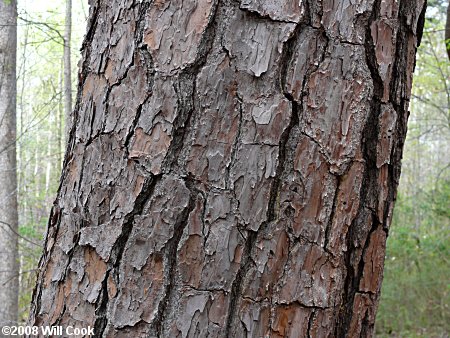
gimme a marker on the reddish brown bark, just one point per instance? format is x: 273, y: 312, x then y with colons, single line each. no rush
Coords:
x: 231, y: 169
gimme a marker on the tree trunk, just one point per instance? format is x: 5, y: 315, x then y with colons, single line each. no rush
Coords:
x: 68, y: 68
x: 9, y: 263
x: 447, y: 31
x: 231, y: 169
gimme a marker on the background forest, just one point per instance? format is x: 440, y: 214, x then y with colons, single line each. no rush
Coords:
x: 416, y: 289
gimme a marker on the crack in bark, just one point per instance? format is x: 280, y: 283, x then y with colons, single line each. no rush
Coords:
x: 205, y: 233
x: 353, y: 278
x: 236, y: 288
x: 235, y: 145
x: 297, y: 112
x: 310, y: 324
x: 118, y: 249
x: 171, y: 261
x: 305, y: 306
x: 148, y: 61
x: 297, y: 109
x: 329, y: 225
x: 399, y: 79
x: 266, y: 17
x: 140, y: 50
x: 366, y: 326
x: 101, y: 319
x: 185, y: 89
x: 368, y: 186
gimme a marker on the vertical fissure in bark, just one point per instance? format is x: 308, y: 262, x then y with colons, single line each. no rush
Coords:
x: 366, y: 325
x: 237, y: 286
x: 118, y: 249
x: 150, y: 69
x: 134, y: 123
x: 146, y: 194
x: 421, y: 23
x: 141, y: 21
x: 369, y: 186
x: 286, y: 58
x: 100, y: 312
x: 276, y: 184
x: 282, y: 156
x: 171, y: 259
x: 235, y: 146
x: 91, y: 126
x: 310, y: 323
x: 329, y: 225
x: 252, y: 236
x: 185, y: 89
x: 353, y: 278
x: 80, y: 181
x: 148, y: 64
x: 359, y: 274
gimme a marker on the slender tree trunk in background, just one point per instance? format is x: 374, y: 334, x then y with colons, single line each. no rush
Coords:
x: 48, y: 170
x: 9, y: 263
x: 231, y: 170
x: 22, y: 108
x: 447, y: 31
x: 37, y: 173
x: 60, y: 118
x: 68, y: 68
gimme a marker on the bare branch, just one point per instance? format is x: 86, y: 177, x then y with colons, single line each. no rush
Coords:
x: 18, y: 235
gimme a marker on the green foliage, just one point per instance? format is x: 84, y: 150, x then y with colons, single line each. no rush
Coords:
x: 415, y: 295
x: 441, y: 199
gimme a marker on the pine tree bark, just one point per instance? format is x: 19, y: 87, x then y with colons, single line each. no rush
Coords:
x: 231, y: 169
x: 9, y: 263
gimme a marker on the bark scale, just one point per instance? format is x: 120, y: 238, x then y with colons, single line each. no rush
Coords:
x: 9, y: 263
x: 231, y: 169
